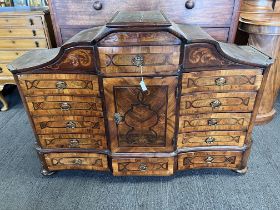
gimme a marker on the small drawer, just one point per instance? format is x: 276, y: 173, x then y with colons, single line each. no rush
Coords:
x: 22, y: 33
x: 222, y: 80
x: 59, y: 84
x: 27, y: 21
x: 23, y: 43
x: 76, y: 161
x: 83, y: 141
x: 211, y: 138
x: 143, y: 166
x: 213, y: 159
x: 212, y: 122
x: 10, y: 55
x: 4, y: 70
x: 69, y: 124
x: 217, y: 102
x: 65, y: 105
x: 124, y: 60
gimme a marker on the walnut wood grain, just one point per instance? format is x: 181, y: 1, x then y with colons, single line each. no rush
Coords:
x: 76, y: 161
x: 143, y: 166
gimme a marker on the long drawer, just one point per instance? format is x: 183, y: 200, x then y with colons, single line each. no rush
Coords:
x: 9, y: 55
x: 65, y: 105
x: 222, y: 80
x: 23, y: 43
x: 143, y: 166
x: 213, y: 159
x: 59, y: 84
x: 22, y: 32
x: 76, y: 161
x: 83, y: 141
x: 217, y: 102
x: 211, y: 138
x: 214, y: 122
x: 26, y: 21
x: 69, y: 124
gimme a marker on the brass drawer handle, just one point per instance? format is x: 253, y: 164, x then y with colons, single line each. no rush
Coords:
x: 10, y: 31
x: 215, y: 104
x: 65, y: 106
x: 1, y: 70
x: 77, y: 161
x: 74, y: 143
x: 37, y: 44
x: 210, y: 140
x: 221, y: 81
x: 209, y: 159
x: 34, y: 32
x: 61, y: 85
x: 71, y: 124
x: 212, y: 122
x: 138, y: 60
x: 190, y: 4
x: 118, y: 118
x: 143, y: 167
x: 31, y: 21
x: 97, y: 5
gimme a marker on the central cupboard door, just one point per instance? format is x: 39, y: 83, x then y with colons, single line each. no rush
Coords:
x: 141, y: 121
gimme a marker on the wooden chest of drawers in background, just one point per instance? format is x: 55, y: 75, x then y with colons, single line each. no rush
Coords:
x: 19, y: 33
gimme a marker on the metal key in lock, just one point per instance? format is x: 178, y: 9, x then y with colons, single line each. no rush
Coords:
x: 138, y: 61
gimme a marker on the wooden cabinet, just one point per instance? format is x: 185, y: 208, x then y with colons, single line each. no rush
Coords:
x: 19, y: 33
x: 219, y: 18
x: 142, y: 96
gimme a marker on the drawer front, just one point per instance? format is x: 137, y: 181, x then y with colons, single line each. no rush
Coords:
x: 139, y: 38
x: 83, y: 141
x: 217, y: 102
x: 69, y: 124
x: 76, y: 161
x: 22, y: 32
x: 143, y: 166
x: 4, y: 70
x: 211, y: 138
x: 219, y: 34
x: 213, y: 159
x: 212, y: 122
x: 223, y: 80
x: 26, y: 21
x: 23, y: 43
x: 65, y: 105
x: 122, y: 60
x: 10, y: 55
x: 215, y: 13
x: 59, y: 84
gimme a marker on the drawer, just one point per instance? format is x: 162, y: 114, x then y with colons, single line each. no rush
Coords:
x: 122, y: 60
x: 83, y: 141
x: 22, y: 33
x: 23, y: 43
x: 73, y: 161
x: 69, y: 124
x: 59, y: 84
x: 217, y: 102
x: 211, y: 138
x: 143, y: 166
x: 4, y: 70
x: 26, y: 21
x: 215, y: 13
x: 65, y: 105
x: 213, y: 159
x: 10, y: 55
x: 216, y: 121
x: 219, y: 34
x: 222, y: 80
x: 140, y: 38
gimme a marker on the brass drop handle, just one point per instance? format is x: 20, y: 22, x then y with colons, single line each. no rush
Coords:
x: 209, y: 159
x: 210, y: 140
x: 118, y: 118
x: 143, y: 167
x: 212, y: 122
x: 34, y: 32
x: 138, y: 60
x: 65, y: 106
x: 37, y: 44
x: 190, y: 4
x: 215, y: 104
x: 221, y: 81
x: 1, y: 70
x: 71, y: 124
x: 31, y: 21
x: 74, y: 143
x: 77, y: 161
x: 60, y: 85
x: 97, y: 5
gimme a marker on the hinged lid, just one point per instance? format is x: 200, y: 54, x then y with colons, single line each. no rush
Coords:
x: 138, y: 19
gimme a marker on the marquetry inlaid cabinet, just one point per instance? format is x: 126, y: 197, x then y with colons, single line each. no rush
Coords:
x: 142, y: 96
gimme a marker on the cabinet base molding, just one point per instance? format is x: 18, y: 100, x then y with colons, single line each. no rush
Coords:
x: 262, y: 119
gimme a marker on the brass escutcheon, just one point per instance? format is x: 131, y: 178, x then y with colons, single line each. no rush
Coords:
x: 138, y: 60
x: 220, y: 81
